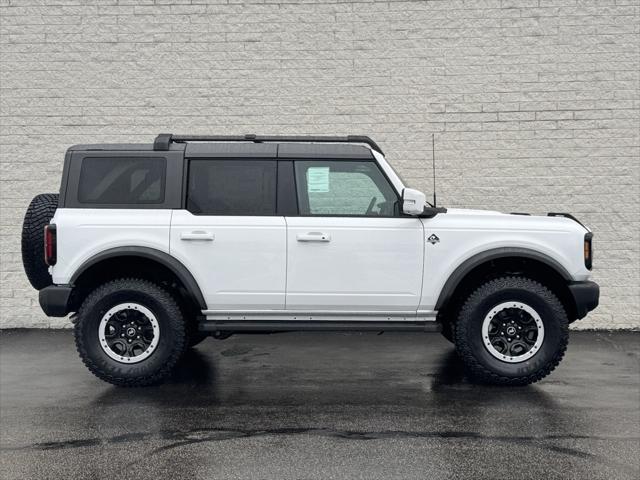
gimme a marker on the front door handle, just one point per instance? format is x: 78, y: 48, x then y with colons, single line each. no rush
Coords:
x: 197, y: 235
x: 313, y: 237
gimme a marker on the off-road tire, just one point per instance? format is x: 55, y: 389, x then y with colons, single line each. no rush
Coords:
x: 481, y: 366
x: 153, y: 369
x: 39, y: 213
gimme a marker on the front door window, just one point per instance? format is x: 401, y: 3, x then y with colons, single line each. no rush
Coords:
x: 344, y: 188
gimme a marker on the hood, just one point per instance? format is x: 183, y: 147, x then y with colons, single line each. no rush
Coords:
x: 552, y: 218
x: 469, y: 211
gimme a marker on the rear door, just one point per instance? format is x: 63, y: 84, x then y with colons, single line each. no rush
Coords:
x: 229, y: 235
x: 350, y: 250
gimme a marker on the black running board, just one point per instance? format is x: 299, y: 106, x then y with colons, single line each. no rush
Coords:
x: 316, y: 326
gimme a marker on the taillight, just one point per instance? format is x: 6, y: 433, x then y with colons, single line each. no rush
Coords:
x: 50, y: 247
x: 588, y: 251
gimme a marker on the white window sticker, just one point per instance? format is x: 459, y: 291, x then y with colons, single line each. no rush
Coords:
x: 318, y: 179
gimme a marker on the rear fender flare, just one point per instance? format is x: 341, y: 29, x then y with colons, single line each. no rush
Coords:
x: 174, y: 265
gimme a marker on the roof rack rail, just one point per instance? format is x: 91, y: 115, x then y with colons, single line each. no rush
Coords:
x: 163, y: 140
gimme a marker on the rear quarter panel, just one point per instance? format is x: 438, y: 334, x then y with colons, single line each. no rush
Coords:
x: 85, y: 232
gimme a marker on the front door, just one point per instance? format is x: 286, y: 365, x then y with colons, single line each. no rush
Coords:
x: 229, y: 236
x: 349, y: 249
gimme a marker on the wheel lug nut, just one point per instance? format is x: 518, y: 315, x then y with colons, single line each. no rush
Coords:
x: 122, y: 334
x: 138, y: 336
x: 129, y: 340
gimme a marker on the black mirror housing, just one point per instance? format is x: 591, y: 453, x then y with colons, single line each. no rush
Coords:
x: 430, y: 212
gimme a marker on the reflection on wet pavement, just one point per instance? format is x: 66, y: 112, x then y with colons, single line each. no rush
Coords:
x: 318, y: 405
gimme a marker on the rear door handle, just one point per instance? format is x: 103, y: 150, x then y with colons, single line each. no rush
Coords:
x: 197, y: 235
x: 313, y: 237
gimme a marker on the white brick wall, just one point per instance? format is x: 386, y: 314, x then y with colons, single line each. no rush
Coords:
x: 535, y: 103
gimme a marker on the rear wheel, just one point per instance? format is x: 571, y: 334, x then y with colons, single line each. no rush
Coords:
x: 130, y: 332
x: 511, y: 331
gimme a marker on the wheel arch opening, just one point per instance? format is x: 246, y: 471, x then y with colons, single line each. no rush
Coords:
x: 148, y: 264
x: 467, y: 279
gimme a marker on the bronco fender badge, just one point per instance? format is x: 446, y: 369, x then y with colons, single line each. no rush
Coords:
x: 433, y: 239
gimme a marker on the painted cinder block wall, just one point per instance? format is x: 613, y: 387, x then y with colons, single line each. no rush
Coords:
x: 534, y: 103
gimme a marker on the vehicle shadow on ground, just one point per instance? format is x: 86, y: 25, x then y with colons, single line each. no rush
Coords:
x: 451, y: 384
x: 196, y: 383
x: 463, y: 409
x: 192, y: 383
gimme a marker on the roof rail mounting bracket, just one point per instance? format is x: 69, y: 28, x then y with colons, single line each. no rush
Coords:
x: 162, y: 141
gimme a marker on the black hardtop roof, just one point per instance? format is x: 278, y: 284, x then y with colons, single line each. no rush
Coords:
x: 164, y: 140
x: 276, y: 150
x: 243, y: 150
x: 251, y: 146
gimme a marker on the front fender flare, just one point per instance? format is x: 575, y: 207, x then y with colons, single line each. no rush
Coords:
x: 469, y: 264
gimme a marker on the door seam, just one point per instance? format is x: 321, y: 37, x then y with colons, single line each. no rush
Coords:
x: 170, y: 230
x: 424, y: 263
x: 286, y: 260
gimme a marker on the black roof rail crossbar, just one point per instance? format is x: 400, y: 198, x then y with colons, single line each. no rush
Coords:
x: 163, y: 140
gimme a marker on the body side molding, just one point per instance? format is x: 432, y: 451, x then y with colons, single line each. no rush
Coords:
x: 469, y: 264
x: 320, y: 315
x: 317, y: 326
x: 152, y: 254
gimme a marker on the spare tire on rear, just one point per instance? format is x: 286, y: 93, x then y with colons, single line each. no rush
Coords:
x: 39, y: 213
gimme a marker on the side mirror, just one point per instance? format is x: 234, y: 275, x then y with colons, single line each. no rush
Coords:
x: 413, y: 201
x: 430, y: 212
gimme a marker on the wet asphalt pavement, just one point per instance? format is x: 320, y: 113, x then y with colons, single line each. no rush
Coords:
x: 319, y: 405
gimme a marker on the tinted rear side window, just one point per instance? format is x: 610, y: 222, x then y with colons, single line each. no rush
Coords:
x: 105, y: 180
x: 232, y: 187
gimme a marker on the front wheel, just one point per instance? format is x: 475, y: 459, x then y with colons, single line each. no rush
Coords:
x: 130, y: 332
x: 511, y: 331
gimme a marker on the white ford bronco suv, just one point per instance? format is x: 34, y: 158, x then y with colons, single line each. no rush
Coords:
x: 155, y: 247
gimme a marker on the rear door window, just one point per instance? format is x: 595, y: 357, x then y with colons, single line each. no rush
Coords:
x: 122, y: 180
x: 232, y: 187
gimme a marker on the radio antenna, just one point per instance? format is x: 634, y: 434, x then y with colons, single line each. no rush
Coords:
x: 433, y: 159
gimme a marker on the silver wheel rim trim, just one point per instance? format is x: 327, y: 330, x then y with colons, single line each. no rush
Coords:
x: 506, y: 358
x: 102, y: 328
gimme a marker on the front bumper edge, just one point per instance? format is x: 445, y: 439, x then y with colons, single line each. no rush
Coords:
x: 585, y: 295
